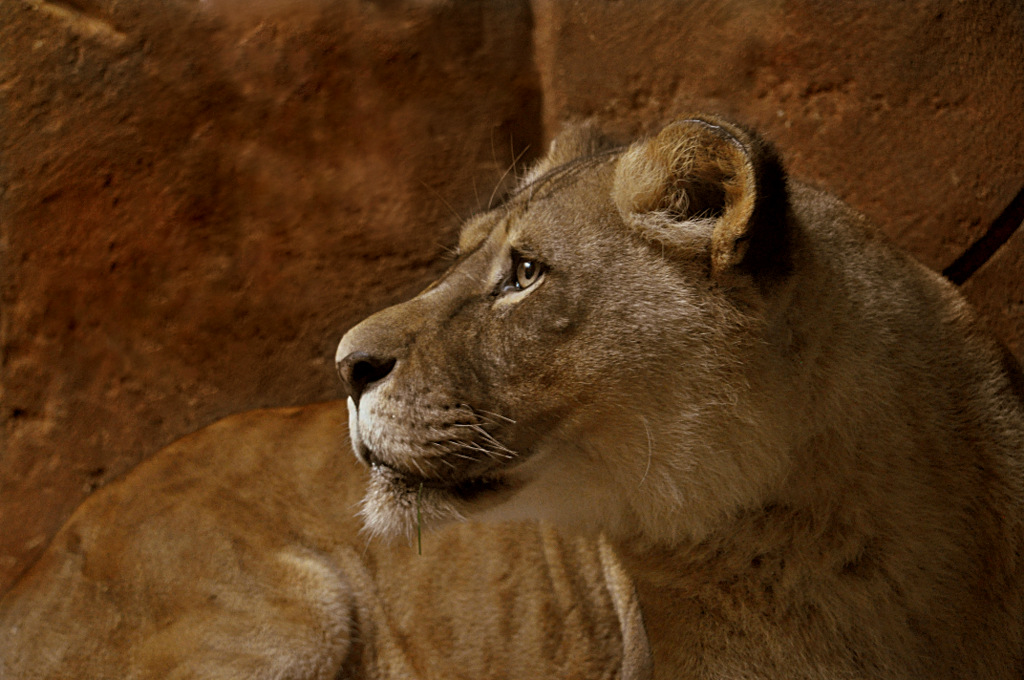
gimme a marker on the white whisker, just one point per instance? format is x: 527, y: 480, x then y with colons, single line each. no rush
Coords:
x: 498, y: 415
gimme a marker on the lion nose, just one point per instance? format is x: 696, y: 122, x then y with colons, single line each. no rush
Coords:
x: 359, y: 369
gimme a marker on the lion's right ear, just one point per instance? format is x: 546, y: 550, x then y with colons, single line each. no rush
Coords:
x: 703, y: 185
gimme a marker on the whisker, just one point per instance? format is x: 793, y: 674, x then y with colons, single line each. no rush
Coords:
x: 498, y: 445
x: 496, y: 415
x: 448, y: 252
x: 472, y: 446
x: 439, y: 197
x: 490, y: 201
x: 493, y: 453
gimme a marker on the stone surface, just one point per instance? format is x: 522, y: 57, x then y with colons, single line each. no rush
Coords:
x: 197, y: 197
x: 910, y: 111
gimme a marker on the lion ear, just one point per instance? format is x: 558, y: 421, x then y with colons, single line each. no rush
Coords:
x: 704, y: 182
x: 579, y: 139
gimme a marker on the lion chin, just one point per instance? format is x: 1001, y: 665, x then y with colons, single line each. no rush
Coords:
x: 401, y: 501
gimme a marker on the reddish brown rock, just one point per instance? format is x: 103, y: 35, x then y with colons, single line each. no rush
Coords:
x: 997, y: 291
x: 197, y: 200
x: 909, y: 111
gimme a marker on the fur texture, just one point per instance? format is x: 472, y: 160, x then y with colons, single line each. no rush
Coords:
x: 802, y: 442
x: 801, y: 446
x: 236, y: 553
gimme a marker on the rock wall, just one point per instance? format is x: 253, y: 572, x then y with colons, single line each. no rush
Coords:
x: 198, y: 197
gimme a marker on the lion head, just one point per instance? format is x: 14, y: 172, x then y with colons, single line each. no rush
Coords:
x: 594, y: 356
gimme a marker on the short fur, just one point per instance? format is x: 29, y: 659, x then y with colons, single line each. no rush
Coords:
x: 802, y: 442
x: 235, y: 554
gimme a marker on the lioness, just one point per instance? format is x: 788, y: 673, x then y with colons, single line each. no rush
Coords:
x: 803, y: 445
x: 803, y: 450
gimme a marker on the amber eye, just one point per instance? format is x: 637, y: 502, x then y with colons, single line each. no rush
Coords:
x: 527, y: 273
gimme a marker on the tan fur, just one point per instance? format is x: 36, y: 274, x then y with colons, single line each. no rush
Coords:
x: 803, y: 445
x: 235, y: 553
x: 802, y: 448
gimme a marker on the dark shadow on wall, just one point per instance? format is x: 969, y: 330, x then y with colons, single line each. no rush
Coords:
x: 982, y: 250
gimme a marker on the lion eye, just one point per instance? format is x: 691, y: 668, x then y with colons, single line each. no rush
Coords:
x: 527, y: 273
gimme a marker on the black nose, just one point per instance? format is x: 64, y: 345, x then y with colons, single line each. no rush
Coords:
x: 359, y: 369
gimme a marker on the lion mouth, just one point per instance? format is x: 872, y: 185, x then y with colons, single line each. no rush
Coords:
x: 450, y: 476
x: 467, y: 487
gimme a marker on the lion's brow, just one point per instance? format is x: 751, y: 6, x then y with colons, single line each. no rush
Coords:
x: 564, y: 171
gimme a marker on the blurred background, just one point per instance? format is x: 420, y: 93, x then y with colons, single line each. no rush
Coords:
x: 198, y: 197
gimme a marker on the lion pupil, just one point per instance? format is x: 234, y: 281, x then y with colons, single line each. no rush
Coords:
x: 527, y: 272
